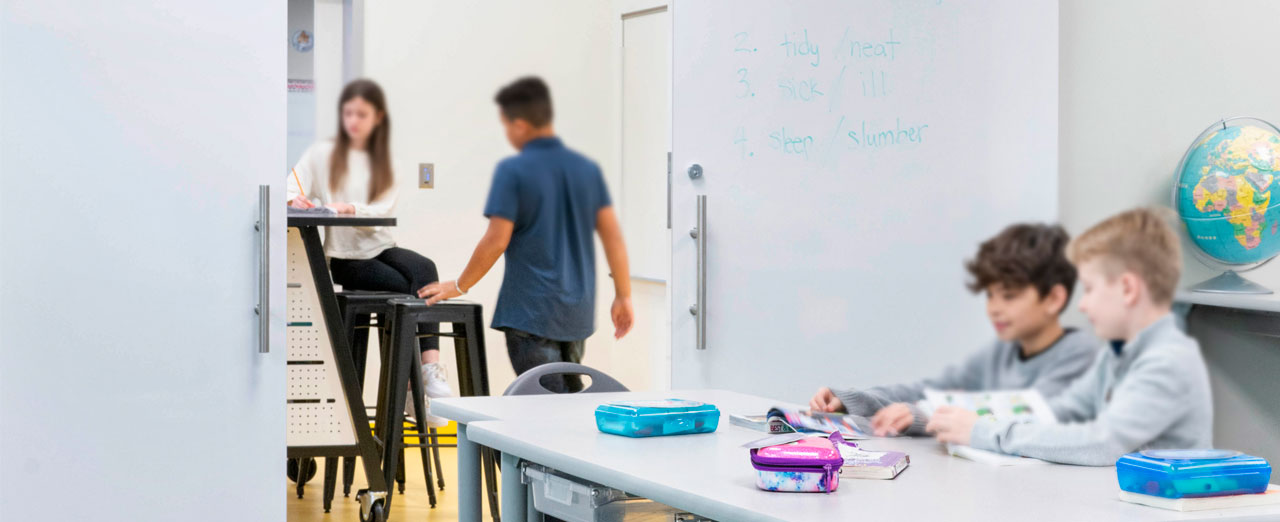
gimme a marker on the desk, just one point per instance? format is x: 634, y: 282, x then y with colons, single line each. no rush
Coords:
x: 327, y: 416
x: 466, y: 410
x: 710, y: 475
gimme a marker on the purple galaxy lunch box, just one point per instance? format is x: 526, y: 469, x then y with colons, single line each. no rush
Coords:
x: 809, y: 465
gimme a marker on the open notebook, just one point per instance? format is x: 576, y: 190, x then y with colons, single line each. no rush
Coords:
x: 992, y: 406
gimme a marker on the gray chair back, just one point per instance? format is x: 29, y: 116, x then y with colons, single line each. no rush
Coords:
x: 530, y: 383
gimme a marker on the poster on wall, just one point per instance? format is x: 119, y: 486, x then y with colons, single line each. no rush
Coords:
x: 302, y: 41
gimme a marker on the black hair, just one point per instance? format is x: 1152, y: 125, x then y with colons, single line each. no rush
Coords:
x: 527, y: 99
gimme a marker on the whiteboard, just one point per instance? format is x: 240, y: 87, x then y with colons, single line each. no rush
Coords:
x: 855, y: 154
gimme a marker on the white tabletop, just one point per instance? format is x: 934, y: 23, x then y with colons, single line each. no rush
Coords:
x: 472, y: 409
x: 711, y: 475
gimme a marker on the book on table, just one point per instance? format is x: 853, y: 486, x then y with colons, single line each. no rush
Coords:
x: 1268, y: 497
x: 1025, y: 405
x: 861, y: 463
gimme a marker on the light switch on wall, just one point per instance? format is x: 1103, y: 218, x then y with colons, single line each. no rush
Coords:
x: 426, y: 175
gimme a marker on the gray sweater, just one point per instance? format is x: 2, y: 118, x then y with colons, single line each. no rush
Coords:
x: 998, y: 366
x: 1149, y: 393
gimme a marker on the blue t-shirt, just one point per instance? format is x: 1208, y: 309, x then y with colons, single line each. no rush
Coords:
x: 552, y: 194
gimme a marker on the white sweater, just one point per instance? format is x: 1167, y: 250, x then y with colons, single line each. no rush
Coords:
x: 311, y: 176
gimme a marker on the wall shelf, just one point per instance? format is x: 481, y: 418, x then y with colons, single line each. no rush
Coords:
x: 1261, y: 303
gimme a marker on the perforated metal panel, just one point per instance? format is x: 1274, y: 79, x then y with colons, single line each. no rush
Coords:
x: 318, y: 411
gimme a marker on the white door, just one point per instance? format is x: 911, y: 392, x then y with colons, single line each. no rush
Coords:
x: 643, y: 357
x: 133, y: 138
x: 854, y: 153
x: 646, y: 138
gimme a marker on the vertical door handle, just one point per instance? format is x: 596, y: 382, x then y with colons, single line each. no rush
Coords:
x: 699, y: 309
x: 668, y: 191
x: 263, y: 309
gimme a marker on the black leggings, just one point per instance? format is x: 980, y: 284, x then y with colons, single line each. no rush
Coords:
x: 394, y: 270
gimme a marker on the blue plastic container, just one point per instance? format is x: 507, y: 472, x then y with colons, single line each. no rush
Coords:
x: 1192, y: 473
x: 657, y: 418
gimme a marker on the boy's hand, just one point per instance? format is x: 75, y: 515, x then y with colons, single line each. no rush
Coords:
x: 892, y: 420
x: 301, y: 202
x: 825, y: 401
x: 952, y: 425
x: 623, y: 315
x: 439, y: 291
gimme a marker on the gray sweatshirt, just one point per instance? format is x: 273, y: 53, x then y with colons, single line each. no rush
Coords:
x: 998, y: 366
x: 1149, y: 393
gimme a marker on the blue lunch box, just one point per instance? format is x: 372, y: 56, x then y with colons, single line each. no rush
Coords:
x: 657, y: 418
x: 1192, y: 473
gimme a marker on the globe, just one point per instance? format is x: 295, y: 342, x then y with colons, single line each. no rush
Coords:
x: 1227, y: 192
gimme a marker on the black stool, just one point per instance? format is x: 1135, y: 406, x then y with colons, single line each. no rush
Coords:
x: 362, y: 311
x: 467, y: 322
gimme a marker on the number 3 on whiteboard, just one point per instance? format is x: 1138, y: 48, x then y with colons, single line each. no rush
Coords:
x: 746, y: 85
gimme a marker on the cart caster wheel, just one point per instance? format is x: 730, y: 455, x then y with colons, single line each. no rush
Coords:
x: 377, y: 513
x: 308, y: 467
x: 373, y: 507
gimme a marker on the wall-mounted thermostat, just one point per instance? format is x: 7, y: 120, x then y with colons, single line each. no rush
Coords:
x: 426, y: 175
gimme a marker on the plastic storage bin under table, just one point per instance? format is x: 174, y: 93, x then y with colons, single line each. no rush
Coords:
x: 576, y: 500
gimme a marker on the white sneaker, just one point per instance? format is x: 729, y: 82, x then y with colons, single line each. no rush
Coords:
x: 433, y: 376
x: 437, y: 386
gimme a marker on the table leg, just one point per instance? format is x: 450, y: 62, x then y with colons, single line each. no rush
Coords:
x: 468, y: 477
x: 514, y: 492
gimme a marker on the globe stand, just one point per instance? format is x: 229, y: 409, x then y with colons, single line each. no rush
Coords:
x: 1231, y: 283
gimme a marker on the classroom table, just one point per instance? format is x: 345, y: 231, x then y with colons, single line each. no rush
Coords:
x: 327, y: 416
x: 711, y: 475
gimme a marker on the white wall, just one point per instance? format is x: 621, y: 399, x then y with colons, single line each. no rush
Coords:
x: 440, y: 64
x: 1139, y: 80
x: 327, y: 64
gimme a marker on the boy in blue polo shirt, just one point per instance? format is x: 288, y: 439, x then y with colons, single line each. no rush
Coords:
x: 543, y: 207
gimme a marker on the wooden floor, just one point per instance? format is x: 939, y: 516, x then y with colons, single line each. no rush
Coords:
x: 411, y: 506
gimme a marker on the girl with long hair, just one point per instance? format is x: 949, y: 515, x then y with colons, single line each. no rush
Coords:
x: 351, y: 174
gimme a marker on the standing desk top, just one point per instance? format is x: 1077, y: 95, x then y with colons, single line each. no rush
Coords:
x: 340, y: 220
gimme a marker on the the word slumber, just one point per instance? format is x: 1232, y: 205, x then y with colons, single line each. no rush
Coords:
x: 870, y: 137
